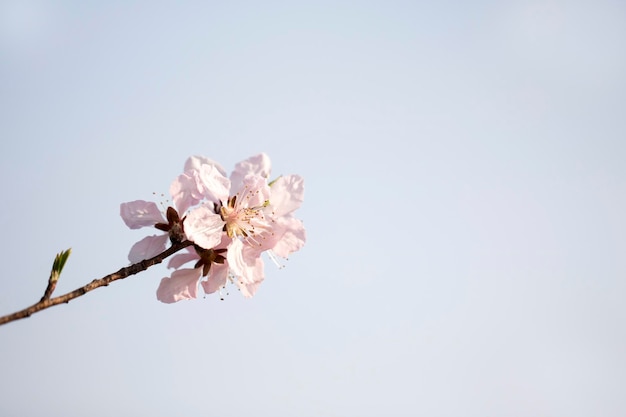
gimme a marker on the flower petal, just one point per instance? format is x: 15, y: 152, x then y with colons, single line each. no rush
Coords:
x: 204, y: 227
x: 183, y: 285
x: 292, y: 238
x: 147, y: 247
x: 195, y: 162
x: 246, y: 265
x: 186, y: 191
x: 287, y: 194
x: 215, y: 185
x: 258, y: 165
x: 217, y: 278
x: 180, y: 259
x: 140, y: 213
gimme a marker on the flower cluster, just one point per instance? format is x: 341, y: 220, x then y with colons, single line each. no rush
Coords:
x: 231, y: 221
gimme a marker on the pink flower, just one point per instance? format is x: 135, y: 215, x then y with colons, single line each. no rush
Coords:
x: 256, y: 217
x: 232, y: 222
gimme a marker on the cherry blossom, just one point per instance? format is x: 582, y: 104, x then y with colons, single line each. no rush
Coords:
x: 232, y: 221
x: 258, y: 218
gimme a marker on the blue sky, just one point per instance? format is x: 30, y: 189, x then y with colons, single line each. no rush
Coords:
x: 465, y: 200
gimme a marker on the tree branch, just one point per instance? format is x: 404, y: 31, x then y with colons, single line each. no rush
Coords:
x: 47, y: 302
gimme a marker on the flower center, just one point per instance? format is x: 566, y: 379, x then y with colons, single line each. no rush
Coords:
x: 242, y: 220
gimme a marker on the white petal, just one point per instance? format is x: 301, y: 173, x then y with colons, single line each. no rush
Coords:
x: 292, y: 239
x: 287, y: 194
x: 185, y: 192
x: 258, y: 165
x: 246, y: 265
x: 204, y: 227
x: 195, y: 162
x: 217, y: 278
x: 215, y: 185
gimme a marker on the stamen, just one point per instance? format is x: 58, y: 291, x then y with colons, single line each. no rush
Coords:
x: 274, y: 259
x: 220, y: 293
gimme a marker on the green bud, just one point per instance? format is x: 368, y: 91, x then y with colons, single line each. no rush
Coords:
x: 59, y: 263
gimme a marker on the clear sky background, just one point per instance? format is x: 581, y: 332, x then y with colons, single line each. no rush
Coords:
x: 465, y: 168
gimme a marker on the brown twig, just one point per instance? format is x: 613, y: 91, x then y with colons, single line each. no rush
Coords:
x: 47, y: 302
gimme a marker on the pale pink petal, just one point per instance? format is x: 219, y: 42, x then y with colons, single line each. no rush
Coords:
x: 180, y: 259
x: 239, y: 262
x: 257, y: 165
x: 186, y: 191
x: 234, y: 256
x: 254, y: 273
x: 287, y: 194
x: 292, y: 238
x: 183, y: 285
x: 147, y: 247
x: 214, y: 184
x: 217, y: 278
x: 286, y: 235
x: 246, y: 266
x: 140, y: 213
x: 204, y: 227
x: 195, y: 162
